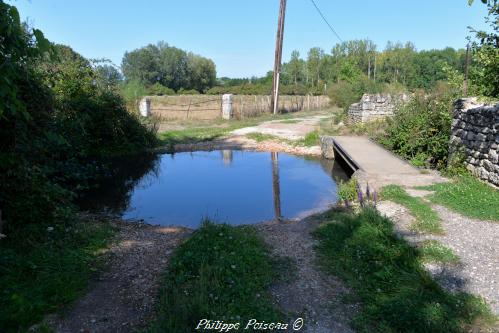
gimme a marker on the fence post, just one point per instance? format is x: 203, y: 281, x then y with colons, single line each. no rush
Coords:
x: 227, y: 106
x: 189, y: 108
x: 145, y: 107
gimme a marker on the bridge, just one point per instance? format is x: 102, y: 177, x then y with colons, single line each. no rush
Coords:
x: 370, y: 162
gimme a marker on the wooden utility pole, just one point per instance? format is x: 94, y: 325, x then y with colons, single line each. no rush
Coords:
x: 466, y: 65
x: 278, y: 56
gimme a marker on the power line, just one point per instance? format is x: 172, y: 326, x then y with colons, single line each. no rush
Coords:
x: 329, y: 25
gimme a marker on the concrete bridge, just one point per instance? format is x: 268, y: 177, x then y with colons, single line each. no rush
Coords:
x: 370, y: 162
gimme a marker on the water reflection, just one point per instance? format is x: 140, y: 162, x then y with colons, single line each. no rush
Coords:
x: 228, y: 186
x: 276, y: 190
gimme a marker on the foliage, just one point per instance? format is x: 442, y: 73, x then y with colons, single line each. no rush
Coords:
x: 420, y: 130
x: 485, y: 47
x: 427, y: 220
x: 468, y: 196
x: 169, y: 66
x: 158, y: 89
x: 345, y: 93
x: 46, y: 268
x: 385, y: 272
x: 220, y: 272
x: 347, y: 191
x: 60, y: 120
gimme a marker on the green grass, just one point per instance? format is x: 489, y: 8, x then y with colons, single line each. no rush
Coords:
x: 311, y: 139
x: 468, y: 196
x: 193, y: 135
x: 434, y: 251
x: 42, y: 270
x: 396, y: 293
x: 260, y: 137
x: 427, y: 220
x: 290, y: 121
x: 220, y: 273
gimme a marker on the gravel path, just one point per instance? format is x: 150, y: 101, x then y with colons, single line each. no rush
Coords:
x: 476, y: 243
x: 310, y: 294
x: 289, y: 131
x: 123, y: 298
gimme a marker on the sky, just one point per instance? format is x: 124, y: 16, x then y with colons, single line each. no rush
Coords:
x: 239, y: 35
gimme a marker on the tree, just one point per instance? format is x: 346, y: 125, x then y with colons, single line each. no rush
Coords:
x: 485, y: 70
x: 169, y: 66
x: 295, y: 66
x: 108, y: 76
x: 315, y: 56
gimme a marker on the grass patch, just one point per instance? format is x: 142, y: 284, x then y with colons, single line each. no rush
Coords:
x: 434, y: 251
x: 192, y: 135
x: 468, y: 196
x: 311, y: 139
x: 396, y: 293
x: 220, y: 273
x: 259, y: 137
x: 290, y: 121
x: 427, y: 220
x: 43, y: 269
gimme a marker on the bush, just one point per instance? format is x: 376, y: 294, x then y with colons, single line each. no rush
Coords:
x: 345, y: 93
x: 159, y: 90
x: 347, y: 191
x: 420, y: 130
x: 183, y: 91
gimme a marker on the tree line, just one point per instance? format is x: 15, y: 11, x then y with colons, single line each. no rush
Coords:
x: 161, y: 65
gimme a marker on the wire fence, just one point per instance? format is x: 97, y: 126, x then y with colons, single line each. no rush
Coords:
x: 205, y: 107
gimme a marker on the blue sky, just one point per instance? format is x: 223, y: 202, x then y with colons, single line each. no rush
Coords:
x: 239, y: 35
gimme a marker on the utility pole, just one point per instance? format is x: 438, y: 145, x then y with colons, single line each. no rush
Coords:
x: 466, y: 65
x: 278, y: 56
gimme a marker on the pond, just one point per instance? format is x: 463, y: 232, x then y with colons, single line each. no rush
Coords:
x: 235, y: 187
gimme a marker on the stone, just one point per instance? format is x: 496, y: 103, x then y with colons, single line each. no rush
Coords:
x: 145, y: 107
x: 493, y: 156
x: 474, y: 133
x: 487, y: 165
x: 494, y: 178
x: 327, y: 144
x: 227, y: 112
x: 481, y: 137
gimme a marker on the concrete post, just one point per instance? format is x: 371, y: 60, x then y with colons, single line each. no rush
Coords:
x: 145, y: 107
x: 227, y: 112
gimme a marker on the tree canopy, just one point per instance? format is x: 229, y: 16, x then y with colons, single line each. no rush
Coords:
x: 170, y: 67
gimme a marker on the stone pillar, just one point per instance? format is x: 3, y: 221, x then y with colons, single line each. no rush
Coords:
x: 227, y: 112
x: 145, y: 107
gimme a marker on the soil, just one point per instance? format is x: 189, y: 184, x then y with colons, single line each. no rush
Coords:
x: 123, y: 297
x: 308, y: 292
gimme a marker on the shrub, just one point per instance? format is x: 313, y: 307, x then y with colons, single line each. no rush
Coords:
x: 159, y: 90
x: 347, y: 191
x: 420, y: 130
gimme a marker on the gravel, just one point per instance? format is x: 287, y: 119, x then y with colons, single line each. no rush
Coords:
x: 308, y: 292
x: 474, y: 241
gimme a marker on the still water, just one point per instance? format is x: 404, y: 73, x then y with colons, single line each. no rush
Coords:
x: 235, y: 187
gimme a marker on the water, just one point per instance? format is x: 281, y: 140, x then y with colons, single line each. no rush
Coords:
x: 235, y: 187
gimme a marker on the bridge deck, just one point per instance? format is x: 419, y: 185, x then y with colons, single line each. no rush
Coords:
x: 377, y: 165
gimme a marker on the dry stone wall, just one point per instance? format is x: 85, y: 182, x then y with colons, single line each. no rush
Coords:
x: 374, y: 106
x: 475, y: 134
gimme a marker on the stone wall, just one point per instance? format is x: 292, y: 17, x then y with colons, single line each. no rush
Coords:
x: 375, y: 106
x: 475, y: 135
